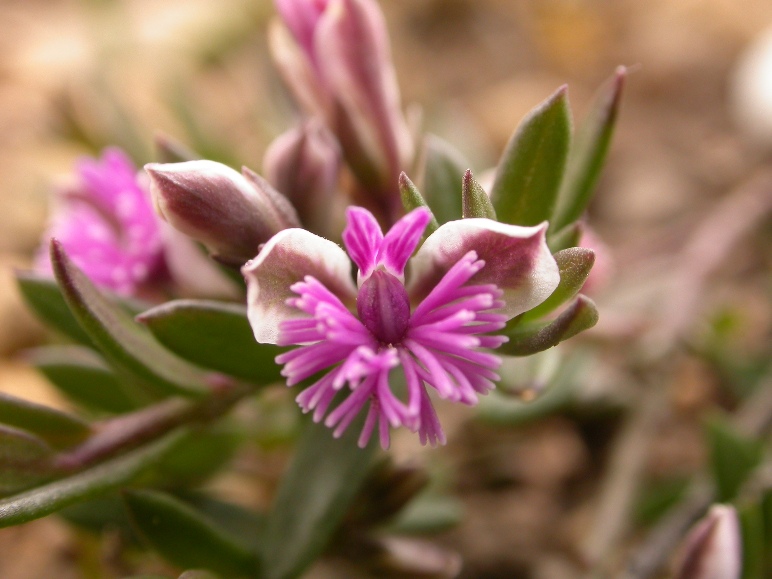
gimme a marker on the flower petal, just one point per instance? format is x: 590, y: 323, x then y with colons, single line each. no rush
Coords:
x: 362, y: 238
x: 287, y: 258
x: 401, y: 240
x: 517, y: 260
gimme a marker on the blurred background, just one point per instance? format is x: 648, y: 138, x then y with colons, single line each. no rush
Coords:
x: 681, y: 217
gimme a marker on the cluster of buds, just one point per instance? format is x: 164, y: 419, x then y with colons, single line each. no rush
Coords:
x: 335, y: 57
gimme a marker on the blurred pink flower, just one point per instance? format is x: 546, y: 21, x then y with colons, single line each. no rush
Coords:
x: 106, y: 224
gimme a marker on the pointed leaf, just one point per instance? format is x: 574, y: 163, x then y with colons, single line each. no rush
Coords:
x: 556, y: 391
x: 186, y: 538
x: 25, y: 460
x: 574, y: 264
x: 444, y: 168
x: 83, y: 376
x: 123, y: 342
x: 324, y: 477
x: 589, y: 152
x: 44, y: 298
x: 529, y: 173
x: 214, y: 335
x: 55, y: 427
x: 753, y: 550
x: 732, y: 457
x: 102, y: 478
x: 246, y: 526
x: 568, y: 237
x: 412, y: 199
x: 526, y: 339
x: 474, y: 200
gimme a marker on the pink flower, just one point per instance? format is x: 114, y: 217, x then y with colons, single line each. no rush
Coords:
x: 371, y: 339
x: 106, y: 224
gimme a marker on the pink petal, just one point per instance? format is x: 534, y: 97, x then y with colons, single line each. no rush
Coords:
x: 363, y: 238
x: 517, y: 260
x: 401, y: 240
x: 287, y: 258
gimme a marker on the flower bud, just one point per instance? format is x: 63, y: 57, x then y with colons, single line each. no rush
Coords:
x: 231, y: 214
x: 304, y: 164
x: 343, y: 72
x: 713, y: 548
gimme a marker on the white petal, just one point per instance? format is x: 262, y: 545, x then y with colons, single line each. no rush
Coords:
x: 288, y: 257
x: 517, y: 260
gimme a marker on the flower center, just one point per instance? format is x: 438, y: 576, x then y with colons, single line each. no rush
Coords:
x: 384, y: 307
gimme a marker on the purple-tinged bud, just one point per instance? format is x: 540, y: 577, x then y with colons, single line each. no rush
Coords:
x: 340, y: 70
x: 230, y: 213
x: 304, y: 164
x: 302, y: 17
x: 713, y: 548
x: 384, y: 307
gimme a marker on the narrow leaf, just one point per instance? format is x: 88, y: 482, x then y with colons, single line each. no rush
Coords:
x: 569, y: 236
x: 752, y: 531
x: 474, y: 199
x: 529, y: 173
x: 732, y: 457
x: 444, y: 168
x: 324, y: 477
x: 589, y: 152
x: 214, y: 335
x: 123, y: 342
x: 557, y: 392
x: 574, y: 265
x: 25, y: 460
x: 44, y: 298
x: 412, y: 199
x: 107, y: 476
x: 186, y: 538
x: 83, y: 376
x: 527, y: 339
x: 55, y: 427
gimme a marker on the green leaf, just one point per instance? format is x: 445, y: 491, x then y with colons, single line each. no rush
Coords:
x: 102, y: 478
x: 753, y: 550
x: 100, y: 514
x: 474, y: 200
x: 58, y: 429
x: 428, y: 514
x: 186, y: 538
x: 589, y: 152
x: 214, y: 335
x: 529, y: 338
x: 244, y: 525
x: 44, y: 298
x: 529, y: 173
x: 556, y: 391
x: 315, y: 493
x: 732, y: 457
x: 444, y: 168
x: 198, y: 458
x: 569, y: 236
x: 128, y: 346
x: 83, y: 376
x: 25, y: 460
x: 574, y: 265
x: 412, y: 199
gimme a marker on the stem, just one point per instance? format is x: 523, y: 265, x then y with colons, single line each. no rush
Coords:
x: 132, y: 430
